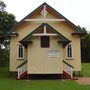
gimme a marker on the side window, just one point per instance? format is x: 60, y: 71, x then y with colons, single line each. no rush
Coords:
x: 69, y: 51
x: 20, y: 52
x: 45, y: 41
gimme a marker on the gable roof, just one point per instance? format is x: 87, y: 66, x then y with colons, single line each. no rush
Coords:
x: 77, y: 30
x: 61, y: 38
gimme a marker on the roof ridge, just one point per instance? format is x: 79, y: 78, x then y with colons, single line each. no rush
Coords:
x: 56, y: 12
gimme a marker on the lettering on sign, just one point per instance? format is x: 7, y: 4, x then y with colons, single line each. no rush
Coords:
x: 53, y: 53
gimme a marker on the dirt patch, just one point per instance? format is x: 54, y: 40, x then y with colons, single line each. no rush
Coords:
x: 83, y: 80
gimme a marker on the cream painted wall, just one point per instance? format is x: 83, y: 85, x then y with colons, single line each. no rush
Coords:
x: 76, y: 61
x: 38, y: 60
x: 37, y: 56
x: 14, y: 62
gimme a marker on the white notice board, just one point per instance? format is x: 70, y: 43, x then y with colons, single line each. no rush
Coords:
x: 53, y: 53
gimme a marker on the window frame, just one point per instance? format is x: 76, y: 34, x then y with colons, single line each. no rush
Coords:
x: 43, y: 41
x: 70, y: 57
x: 18, y: 52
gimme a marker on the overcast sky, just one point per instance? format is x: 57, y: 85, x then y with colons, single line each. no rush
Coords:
x: 77, y: 11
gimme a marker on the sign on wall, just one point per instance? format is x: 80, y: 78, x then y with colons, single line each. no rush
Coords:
x: 53, y: 53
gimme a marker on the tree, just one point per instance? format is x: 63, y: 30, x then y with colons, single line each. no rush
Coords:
x: 4, y: 57
x: 82, y: 28
x: 85, y: 48
x: 7, y: 22
x: 2, y: 5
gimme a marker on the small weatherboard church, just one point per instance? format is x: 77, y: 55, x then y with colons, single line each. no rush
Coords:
x: 45, y: 43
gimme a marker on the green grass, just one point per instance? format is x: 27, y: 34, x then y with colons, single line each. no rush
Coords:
x: 10, y: 83
x: 86, y: 69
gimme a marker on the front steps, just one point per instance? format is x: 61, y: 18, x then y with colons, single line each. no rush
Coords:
x: 66, y: 75
x: 22, y: 70
x: 22, y: 76
x: 67, y: 71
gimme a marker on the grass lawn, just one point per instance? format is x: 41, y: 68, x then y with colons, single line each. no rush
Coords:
x: 9, y: 83
x: 86, y: 69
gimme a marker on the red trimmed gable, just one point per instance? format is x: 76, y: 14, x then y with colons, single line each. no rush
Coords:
x: 50, y: 10
x: 38, y: 11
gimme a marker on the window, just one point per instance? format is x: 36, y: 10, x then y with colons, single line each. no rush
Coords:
x: 69, y: 51
x: 20, y: 51
x: 45, y: 41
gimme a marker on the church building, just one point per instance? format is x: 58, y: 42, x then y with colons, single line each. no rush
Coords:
x: 45, y: 43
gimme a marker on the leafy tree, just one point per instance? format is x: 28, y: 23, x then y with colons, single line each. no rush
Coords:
x: 2, y: 5
x: 4, y: 57
x: 7, y: 22
x: 82, y: 28
x: 85, y: 48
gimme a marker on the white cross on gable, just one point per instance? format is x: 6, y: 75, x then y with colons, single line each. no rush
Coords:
x: 44, y: 20
x: 44, y: 12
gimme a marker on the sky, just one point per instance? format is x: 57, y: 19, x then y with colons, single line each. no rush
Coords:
x: 77, y: 11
